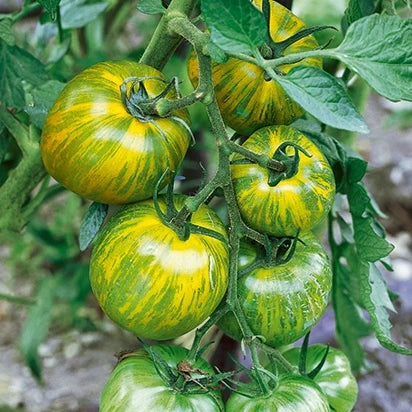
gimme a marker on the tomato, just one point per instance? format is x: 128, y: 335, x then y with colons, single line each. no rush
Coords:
x: 248, y: 100
x: 93, y: 146
x: 292, y: 394
x: 335, y: 377
x: 295, y: 203
x: 282, y: 303
x: 152, y: 283
x: 135, y: 385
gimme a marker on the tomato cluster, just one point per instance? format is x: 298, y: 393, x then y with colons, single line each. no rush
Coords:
x: 160, y: 280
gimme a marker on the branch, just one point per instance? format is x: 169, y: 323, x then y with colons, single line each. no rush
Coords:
x: 164, y: 42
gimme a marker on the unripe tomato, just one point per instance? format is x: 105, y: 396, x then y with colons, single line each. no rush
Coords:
x: 296, y: 203
x: 136, y: 386
x: 247, y: 99
x: 93, y: 146
x: 292, y: 394
x: 335, y: 378
x: 152, y: 283
x: 282, y: 303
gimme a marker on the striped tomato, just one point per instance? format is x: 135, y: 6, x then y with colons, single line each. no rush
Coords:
x: 283, y: 302
x: 247, y: 99
x: 135, y: 385
x: 296, y: 203
x: 93, y: 146
x: 152, y: 283
x: 335, y: 378
x: 292, y: 394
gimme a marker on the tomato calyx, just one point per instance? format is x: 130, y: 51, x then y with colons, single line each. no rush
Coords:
x: 291, y: 162
x: 179, y: 221
x: 303, y: 357
x: 276, y: 251
x: 272, y: 49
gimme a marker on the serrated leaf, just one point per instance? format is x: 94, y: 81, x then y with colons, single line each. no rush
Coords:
x: 376, y: 300
x: 370, y: 244
x: 321, y: 95
x: 50, y: 6
x: 36, y: 325
x: 356, y: 169
x: 17, y: 65
x: 76, y: 14
x: 91, y: 224
x: 150, y: 6
x: 41, y: 101
x: 235, y: 25
x: 378, y: 48
x: 6, y: 33
x: 356, y: 10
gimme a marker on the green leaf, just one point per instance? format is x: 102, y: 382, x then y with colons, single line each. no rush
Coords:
x: 320, y: 94
x: 356, y: 169
x: 150, y: 6
x: 378, y: 48
x: 371, y: 245
x: 400, y: 119
x: 91, y: 224
x: 216, y: 53
x: 6, y: 33
x: 41, y: 99
x: 376, y: 300
x: 50, y: 6
x: 36, y: 325
x: 76, y: 14
x: 4, y: 141
x: 350, y: 323
x: 356, y: 10
x: 235, y: 25
x: 17, y: 65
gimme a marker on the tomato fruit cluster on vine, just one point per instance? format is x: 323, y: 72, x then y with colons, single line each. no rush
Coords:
x: 160, y: 275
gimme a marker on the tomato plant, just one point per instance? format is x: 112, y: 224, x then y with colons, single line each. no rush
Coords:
x: 334, y: 378
x: 249, y: 99
x: 282, y: 302
x: 233, y: 249
x: 152, y: 283
x: 103, y: 150
x: 292, y: 393
x: 136, y: 384
x: 282, y: 203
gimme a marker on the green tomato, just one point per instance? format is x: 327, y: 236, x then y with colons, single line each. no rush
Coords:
x: 292, y: 394
x: 282, y: 303
x: 135, y: 385
x: 94, y: 147
x: 152, y: 283
x: 335, y: 377
x: 295, y: 203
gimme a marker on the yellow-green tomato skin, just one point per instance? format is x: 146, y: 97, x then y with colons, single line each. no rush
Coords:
x: 296, y: 203
x: 94, y: 147
x: 135, y: 385
x: 246, y: 99
x: 292, y: 394
x: 335, y: 378
x: 152, y: 283
x: 283, y: 302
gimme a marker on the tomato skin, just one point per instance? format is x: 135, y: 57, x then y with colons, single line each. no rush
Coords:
x: 95, y: 148
x: 292, y: 394
x: 297, y: 203
x: 283, y: 302
x: 248, y: 101
x: 335, y: 378
x: 136, y: 386
x: 152, y: 283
